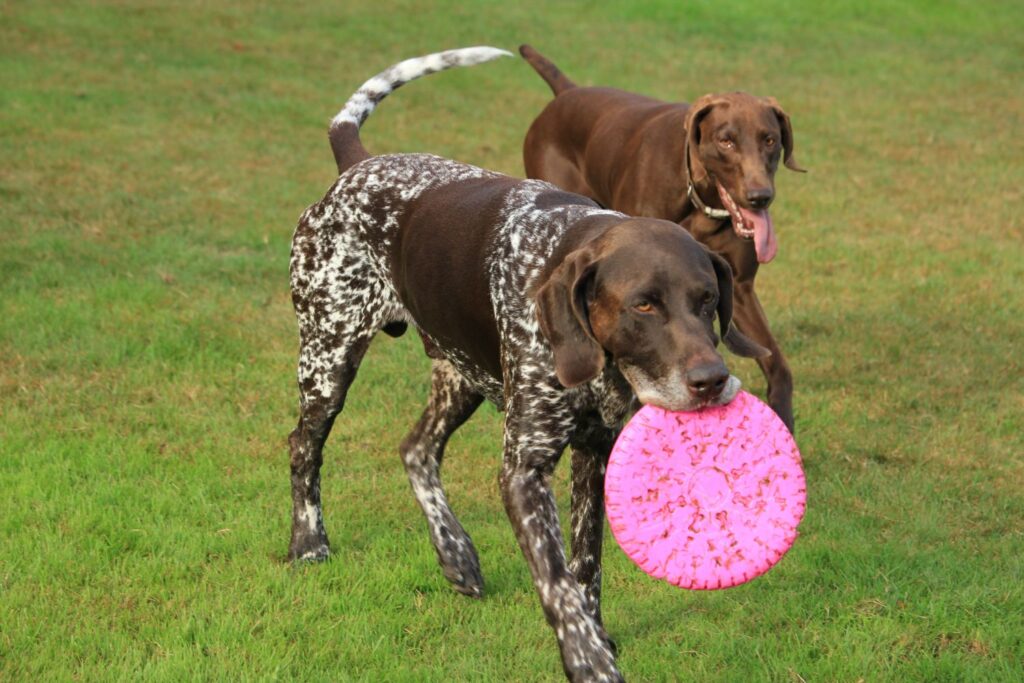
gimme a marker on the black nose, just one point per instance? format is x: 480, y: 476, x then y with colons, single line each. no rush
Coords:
x: 760, y: 198
x: 707, y: 381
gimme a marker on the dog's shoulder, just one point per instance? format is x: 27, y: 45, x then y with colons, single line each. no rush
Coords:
x: 537, y: 215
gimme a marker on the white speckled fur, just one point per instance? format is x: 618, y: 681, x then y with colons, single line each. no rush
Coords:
x: 343, y: 294
x: 365, y: 100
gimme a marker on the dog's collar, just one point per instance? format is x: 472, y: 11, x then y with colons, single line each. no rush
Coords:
x: 718, y: 214
x: 691, y: 191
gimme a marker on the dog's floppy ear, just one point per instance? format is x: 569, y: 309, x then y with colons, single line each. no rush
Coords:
x: 787, y: 136
x: 735, y: 341
x: 701, y: 108
x: 562, y: 313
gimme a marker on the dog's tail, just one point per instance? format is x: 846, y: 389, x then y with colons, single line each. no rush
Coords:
x: 551, y: 74
x: 344, y: 130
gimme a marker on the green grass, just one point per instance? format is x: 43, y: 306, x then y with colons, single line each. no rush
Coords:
x: 155, y: 160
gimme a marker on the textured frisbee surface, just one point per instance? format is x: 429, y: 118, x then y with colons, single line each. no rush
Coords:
x: 705, y: 499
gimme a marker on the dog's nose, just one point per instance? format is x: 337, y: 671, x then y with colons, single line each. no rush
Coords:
x: 707, y: 381
x: 760, y: 197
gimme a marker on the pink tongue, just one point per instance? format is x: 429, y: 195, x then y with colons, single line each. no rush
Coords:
x: 764, y: 234
x: 765, y: 243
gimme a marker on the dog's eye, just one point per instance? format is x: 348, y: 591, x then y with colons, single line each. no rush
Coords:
x: 727, y: 143
x: 706, y: 302
x: 769, y: 141
x: 643, y: 306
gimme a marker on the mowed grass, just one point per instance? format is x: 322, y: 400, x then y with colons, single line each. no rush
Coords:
x: 155, y: 160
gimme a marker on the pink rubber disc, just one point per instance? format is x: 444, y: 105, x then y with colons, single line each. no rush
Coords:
x: 705, y: 499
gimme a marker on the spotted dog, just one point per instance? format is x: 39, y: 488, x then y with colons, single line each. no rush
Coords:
x: 556, y: 310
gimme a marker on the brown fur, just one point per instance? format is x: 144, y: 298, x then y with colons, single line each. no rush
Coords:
x: 628, y: 152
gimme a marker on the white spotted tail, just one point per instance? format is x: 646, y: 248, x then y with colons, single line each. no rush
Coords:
x: 344, y: 130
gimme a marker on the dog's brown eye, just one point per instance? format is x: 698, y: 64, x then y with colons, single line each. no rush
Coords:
x: 727, y: 143
x: 643, y: 306
x: 769, y: 141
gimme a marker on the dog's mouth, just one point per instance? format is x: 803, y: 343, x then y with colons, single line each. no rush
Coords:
x: 750, y: 224
x: 670, y: 393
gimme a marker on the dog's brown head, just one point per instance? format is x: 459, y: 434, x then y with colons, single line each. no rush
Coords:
x: 644, y: 293
x: 734, y: 143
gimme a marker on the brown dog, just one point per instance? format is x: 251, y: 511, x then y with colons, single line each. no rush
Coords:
x: 709, y: 167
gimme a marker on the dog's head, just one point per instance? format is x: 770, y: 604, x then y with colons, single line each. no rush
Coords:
x: 735, y: 142
x: 644, y: 295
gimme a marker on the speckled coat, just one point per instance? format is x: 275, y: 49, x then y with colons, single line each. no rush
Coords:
x: 491, y: 271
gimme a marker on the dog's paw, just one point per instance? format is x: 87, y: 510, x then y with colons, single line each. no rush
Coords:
x: 473, y: 590
x: 588, y: 654
x: 596, y: 674
x: 319, y: 554
x: 306, y: 547
x: 464, y: 575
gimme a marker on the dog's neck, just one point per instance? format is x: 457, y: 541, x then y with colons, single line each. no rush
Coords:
x: 614, y: 396
x: 581, y: 233
x: 693, y: 192
x: 694, y: 196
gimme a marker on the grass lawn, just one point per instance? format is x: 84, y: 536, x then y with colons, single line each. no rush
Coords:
x: 155, y: 158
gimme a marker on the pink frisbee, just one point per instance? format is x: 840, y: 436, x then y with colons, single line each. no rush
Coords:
x: 705, y: 499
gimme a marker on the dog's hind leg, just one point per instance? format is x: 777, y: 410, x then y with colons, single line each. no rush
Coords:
x: 452, y: 400
x: 340, y: 306
x: 325, y: 374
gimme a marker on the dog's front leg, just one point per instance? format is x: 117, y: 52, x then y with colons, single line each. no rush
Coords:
x: 747, y: 313
x: 751, y: 320
x: 589, y: 460
x: 534, y: 438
